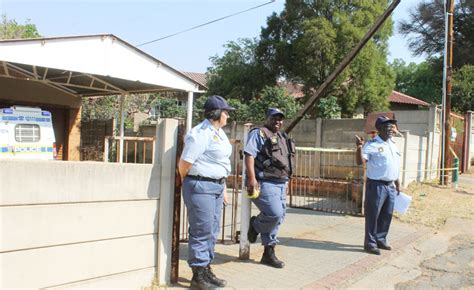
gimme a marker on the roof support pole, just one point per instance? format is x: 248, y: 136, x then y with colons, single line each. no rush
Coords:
x: 189, y: 114
x: 122, y: 122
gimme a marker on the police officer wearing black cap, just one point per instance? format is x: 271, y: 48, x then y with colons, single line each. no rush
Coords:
x: 204, y: 167
x: 383, y: 168
x: 269, y: 157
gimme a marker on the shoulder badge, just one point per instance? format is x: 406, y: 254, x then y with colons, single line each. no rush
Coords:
x: 215, y: 136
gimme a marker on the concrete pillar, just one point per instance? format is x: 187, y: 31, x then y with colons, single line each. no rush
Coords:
x: 319, y: 144
x: 165, y: 165
x: 432, y: 119
x: 189, y: 114
x: 121, y: 129
x: 406, y: 135
x: 245, y: 209
x: 74, y: 135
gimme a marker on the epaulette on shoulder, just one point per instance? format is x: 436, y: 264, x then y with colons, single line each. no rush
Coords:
x: 262, y: 134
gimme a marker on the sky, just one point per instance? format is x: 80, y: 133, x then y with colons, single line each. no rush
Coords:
x: 137, y: 22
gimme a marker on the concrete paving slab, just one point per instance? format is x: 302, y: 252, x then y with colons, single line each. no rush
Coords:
x: 321, y: 250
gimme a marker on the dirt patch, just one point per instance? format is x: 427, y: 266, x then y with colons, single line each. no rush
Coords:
x: 432, y: 204
x: 450, y: 270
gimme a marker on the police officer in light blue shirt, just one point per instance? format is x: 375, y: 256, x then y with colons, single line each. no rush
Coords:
x: 205, y: 165
x: 383, y: 168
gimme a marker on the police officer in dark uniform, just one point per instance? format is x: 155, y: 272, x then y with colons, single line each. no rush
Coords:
x: 268, y: 159
x: 383, y: 168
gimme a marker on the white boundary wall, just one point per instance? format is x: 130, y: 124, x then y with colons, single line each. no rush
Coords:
x: 87, y: 224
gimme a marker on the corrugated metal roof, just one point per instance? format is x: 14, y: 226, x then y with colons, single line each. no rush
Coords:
x: 200, y: 78
x: 89, y: 65
x: 397, y: 97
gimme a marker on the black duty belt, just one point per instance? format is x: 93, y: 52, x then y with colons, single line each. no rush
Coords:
x: 202, y: 178
x: 381, y: 181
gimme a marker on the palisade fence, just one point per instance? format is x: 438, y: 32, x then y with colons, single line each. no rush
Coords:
x: 135, y: 149
x: 327, y: 180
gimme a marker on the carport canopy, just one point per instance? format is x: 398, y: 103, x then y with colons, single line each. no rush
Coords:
x: 69, y: 68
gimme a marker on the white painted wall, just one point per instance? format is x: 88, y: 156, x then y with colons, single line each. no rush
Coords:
x: 87, y: 224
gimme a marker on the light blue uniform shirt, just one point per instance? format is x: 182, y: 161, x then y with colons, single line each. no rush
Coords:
x: 208, y: 150
x: 254, y: 143
x: 383, y: 159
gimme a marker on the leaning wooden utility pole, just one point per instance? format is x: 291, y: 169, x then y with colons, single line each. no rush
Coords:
x: 345, y: 62
x: 447, y: 87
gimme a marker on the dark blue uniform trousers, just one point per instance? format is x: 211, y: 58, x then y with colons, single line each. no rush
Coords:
x: 272, y: 206
x: 204, y: 201
x: 379, y: 201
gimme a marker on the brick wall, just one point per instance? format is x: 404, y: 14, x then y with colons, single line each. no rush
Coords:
x: 92, y: 138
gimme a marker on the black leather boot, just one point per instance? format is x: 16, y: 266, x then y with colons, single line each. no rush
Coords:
x: 200, y: 280
x: 270, y: 259
x: 211, y: 277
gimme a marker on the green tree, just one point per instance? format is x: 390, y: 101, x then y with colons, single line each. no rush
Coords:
x: 238, y: 74
x: 309, y: 38
x: 256, y: 109
x: 272, y: 97
x: 425, y: 29
x: 423, y: 81
x: 240, y: 114
x: 463, y: 89
x: 167, y: 107
x: 328, y: 108
x: 10, y: 29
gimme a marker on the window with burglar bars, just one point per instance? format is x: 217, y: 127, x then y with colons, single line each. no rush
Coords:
x: 27, y: 133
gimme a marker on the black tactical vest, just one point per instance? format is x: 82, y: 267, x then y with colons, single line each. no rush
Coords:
x: 276, y: 159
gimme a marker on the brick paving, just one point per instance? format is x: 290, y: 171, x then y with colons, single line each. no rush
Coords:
x: 320, y: 250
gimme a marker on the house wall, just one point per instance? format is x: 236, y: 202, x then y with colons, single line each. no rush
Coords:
x: 88, y: 224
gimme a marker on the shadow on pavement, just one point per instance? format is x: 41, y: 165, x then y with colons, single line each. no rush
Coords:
x: 321, y: 245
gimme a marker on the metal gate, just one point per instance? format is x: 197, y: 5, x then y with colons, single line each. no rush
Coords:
x: 230, y: 218
x: 327, y: 180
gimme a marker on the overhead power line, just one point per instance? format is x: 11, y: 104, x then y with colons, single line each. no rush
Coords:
x: 207, y: 23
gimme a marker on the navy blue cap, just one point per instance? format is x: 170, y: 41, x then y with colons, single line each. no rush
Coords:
x: 274, y: 111
x: 382, y: 120
x: 217, y: 103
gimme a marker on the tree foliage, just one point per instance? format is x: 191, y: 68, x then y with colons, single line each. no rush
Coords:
x: 238, y: 74
x: 422, y: 81
x: 102, y: 108
x: 272, y: 97
x: 328, y: 108
x: 10, y: 29
x: 255, y: 110
x: 425, y: 28
x: 463, y: 89
x: 164, y: 107
x: 309, y: 39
